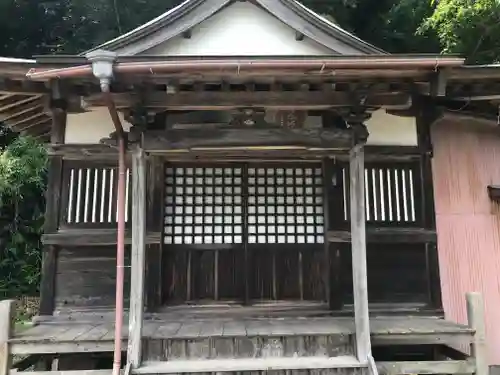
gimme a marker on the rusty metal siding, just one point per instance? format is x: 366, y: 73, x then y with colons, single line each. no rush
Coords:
x: 467, y: 160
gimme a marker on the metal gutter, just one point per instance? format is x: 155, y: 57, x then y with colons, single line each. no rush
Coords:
x: 238, y: 67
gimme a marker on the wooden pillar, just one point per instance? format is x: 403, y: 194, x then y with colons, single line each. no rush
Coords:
x: 6, y: 315
x: 154, y: 224
x: 475, y: 315
x: 136, y: 310
x: 53, y: 198
x: 358, y: 235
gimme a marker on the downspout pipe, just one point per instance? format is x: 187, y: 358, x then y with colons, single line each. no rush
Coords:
x: 102, y: 68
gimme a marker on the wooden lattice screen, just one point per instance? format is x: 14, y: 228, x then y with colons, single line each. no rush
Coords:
x: 89, y: 194
x: 392, y: 194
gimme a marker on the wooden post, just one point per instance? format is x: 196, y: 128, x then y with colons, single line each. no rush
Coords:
x: 475, y: 315
x: 136, y: 311
x: 358, y: 235
x: 53, y: 201
x: 6, y: 311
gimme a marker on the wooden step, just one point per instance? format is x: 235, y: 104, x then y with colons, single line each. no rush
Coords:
x: 253, y: 364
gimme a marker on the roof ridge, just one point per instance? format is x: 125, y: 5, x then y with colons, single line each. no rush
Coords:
x: 328, y: 33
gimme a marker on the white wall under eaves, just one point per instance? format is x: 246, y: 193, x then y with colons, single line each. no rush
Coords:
x: 90, y: 127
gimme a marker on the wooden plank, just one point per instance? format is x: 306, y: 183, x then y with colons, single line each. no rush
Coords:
x: 387, y: 235
x: 64, y: 347
x: 296, y: 100
x: 238, y: 137
x: 250, y: 364
x: 6, y: 327
x: 360, y: 287
x: 425, y: 367
x: 66, y: 372
x: 475, y: 317
x: 136, y: 310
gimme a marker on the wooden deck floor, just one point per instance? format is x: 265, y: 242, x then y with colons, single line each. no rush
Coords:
x: 97, y: 336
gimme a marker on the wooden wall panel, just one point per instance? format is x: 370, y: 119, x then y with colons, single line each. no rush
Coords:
x: 396, y: 274
x: 467, y: 160
x: 86, y: 277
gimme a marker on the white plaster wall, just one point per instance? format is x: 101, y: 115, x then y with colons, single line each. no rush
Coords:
x: 241, y: 29
x: 385, y: 129
x: 91, y: 126
x: 390, y: 130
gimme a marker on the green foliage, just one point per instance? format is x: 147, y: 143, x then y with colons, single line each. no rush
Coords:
x: 467, y: 27
x: 22, y: 182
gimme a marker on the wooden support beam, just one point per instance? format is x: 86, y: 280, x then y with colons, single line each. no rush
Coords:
x: 138, y: 255
x: 359, y: 269
x: 236, y: 137
x: 475, y: 316
x: 296, y: 100
x: 6, y: 317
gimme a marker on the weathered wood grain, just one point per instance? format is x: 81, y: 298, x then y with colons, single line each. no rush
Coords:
x: 231, y: 137
x: 359, y: 269
x: 138, y: 256
x: 426, y: 367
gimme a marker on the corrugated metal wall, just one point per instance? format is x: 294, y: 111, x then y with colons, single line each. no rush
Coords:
x: 467, y: 160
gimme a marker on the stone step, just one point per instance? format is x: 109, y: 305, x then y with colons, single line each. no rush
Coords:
x: 220, y: 347
x: 252, y: 365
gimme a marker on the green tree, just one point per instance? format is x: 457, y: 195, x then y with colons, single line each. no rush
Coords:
x: 22, y: 183
x: 467, y: 27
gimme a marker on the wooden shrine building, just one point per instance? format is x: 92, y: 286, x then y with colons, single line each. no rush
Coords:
x: 280, y: 179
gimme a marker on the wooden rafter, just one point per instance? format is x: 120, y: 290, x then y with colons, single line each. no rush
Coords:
x: 12, y: 101
x: 27, y: 118
x: 36, y: 124
x: 20, y: 110
x: 23, y: 115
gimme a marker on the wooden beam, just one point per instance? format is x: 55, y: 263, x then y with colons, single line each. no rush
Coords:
x: 425, y: 367
x: 387, y: 235
x: 6, y: 327
x: 231, y: 137
x: 82, y: 151
x: 138, y: 255
x: 92, y: 237
x: 475, y: 316
x: 359, y: 269
x: 296, y: 100
x: 9, y: 86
